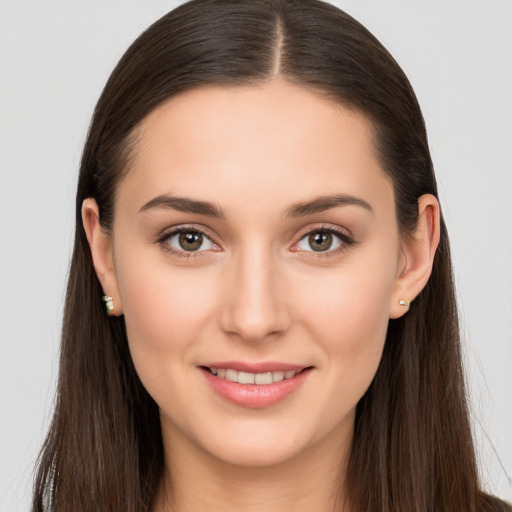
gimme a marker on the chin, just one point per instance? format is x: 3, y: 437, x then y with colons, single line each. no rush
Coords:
x: 256, y: 453
x: 267, y: 442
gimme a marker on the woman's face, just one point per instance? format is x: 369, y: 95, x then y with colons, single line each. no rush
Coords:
x: 254, y: 235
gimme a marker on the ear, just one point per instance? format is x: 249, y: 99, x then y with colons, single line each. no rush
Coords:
x: 100, y: 244
x: 418, y: 251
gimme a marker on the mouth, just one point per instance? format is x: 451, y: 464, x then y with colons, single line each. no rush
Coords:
x: 267, y: 384
x: 258, y: 379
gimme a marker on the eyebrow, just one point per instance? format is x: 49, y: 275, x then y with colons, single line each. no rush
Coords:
x: 317, y: 205
x: 323, y: 203
x: 183, y: 204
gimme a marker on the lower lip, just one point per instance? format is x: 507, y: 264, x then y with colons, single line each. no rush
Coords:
x: 254, y: 395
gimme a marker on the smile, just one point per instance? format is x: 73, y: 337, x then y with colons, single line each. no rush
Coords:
x: 253, y: 378
x: 265, y: 385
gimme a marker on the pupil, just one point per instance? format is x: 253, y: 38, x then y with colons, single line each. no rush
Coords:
x: 191, y: 241
x: 320, y: 241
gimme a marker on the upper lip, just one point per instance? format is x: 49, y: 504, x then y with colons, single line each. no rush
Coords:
x: 261, y: 367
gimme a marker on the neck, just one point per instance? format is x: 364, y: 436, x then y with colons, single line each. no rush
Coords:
x: 196, y: 481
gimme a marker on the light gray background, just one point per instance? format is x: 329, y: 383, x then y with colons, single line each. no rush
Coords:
x: 54, y: 59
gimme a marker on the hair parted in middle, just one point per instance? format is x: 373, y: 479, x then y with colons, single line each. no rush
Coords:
x: 412, y: 449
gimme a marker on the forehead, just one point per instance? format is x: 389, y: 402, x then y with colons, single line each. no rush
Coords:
x: 247, y: 142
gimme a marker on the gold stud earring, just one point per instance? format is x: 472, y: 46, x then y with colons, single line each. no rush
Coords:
x: 109, y: 304
x: 404, y: 302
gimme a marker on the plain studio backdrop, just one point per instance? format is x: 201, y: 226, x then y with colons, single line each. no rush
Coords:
x: 55, y: 57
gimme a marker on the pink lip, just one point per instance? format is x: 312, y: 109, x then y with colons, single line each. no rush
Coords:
x: 253, y: 395
x: 262, y: 367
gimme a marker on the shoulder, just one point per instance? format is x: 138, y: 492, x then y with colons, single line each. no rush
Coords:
x: 490, y: 503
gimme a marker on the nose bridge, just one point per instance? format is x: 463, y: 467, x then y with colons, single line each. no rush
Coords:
x: 254, y: 306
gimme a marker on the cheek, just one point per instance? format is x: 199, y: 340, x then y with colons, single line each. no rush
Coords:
x: 165, y: 311
x: 349, y: 318
x: 162, y: 307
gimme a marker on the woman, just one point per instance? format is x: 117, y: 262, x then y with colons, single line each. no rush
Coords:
x: 258, y: 213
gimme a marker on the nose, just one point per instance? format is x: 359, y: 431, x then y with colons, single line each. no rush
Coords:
x: 254, y: 305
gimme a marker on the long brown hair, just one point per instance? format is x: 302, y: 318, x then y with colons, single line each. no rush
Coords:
x: 412, y: 449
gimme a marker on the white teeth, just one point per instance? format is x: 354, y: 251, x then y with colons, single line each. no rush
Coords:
x: 253, y: 378
x: 277, y: 376
x: 232, y: 375
x: 263, y: 378
x: 246, y: 378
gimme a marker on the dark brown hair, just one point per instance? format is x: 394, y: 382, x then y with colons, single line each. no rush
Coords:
x: 412, y: 449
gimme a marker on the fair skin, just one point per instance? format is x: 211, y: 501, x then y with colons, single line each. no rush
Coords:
x: 251, y: 285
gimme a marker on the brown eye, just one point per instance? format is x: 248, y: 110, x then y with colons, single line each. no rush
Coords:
x: 189, y: 240
x: 320, y: 241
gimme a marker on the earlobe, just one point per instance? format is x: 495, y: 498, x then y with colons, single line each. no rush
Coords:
x: 418, y: 251
x: 101, y: 253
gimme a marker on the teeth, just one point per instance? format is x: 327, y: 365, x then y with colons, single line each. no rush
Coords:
x: 253, y: 378
x: 263, y: 378
x: 277, y: 376
x: 246, y: 378
x: 232, y: 375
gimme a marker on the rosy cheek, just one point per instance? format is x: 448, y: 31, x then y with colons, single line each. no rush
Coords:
x: 162, y: 316
x: 164, y: 307
x: 351, y: 313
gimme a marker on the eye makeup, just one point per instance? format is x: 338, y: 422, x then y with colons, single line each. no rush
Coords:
x: 192, y: 241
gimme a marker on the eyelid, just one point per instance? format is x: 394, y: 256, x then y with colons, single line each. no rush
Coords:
x: 174, y: 230
x: 344, y: 235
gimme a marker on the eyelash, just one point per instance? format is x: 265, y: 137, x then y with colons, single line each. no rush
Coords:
x: 183, y: 254
x: 345, y: 241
